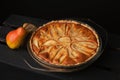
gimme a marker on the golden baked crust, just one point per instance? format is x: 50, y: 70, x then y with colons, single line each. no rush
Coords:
x: 64, y: 42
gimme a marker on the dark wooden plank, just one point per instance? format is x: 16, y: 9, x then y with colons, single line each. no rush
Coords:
x: 14, y: 58
x: 106, y: 67
x: 111, y: 56
x: 18, y: 20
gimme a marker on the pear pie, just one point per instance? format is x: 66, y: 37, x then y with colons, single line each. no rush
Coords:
x: 64, y: 42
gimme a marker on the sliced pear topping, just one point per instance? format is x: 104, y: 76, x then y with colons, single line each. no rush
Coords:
x: 53, y: 32
x: 45, y: 49
x: 77, y: 47
x: 35, y: 42
x: 64, y: 39
x: 60, y: 30
x: 54, y: 52
x: 65, y: 42
x: 61, y: 52
x: 89, y: 44
x: 50, y: 43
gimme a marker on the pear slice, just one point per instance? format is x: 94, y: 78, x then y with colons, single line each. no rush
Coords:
x: 29, y: 27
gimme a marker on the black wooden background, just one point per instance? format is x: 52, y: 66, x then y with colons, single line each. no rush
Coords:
x: 104, y: 12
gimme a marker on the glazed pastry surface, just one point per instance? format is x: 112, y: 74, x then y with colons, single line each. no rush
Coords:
x: 64, y: 42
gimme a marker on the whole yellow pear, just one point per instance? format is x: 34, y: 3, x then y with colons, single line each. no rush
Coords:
x: 15, y: 37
